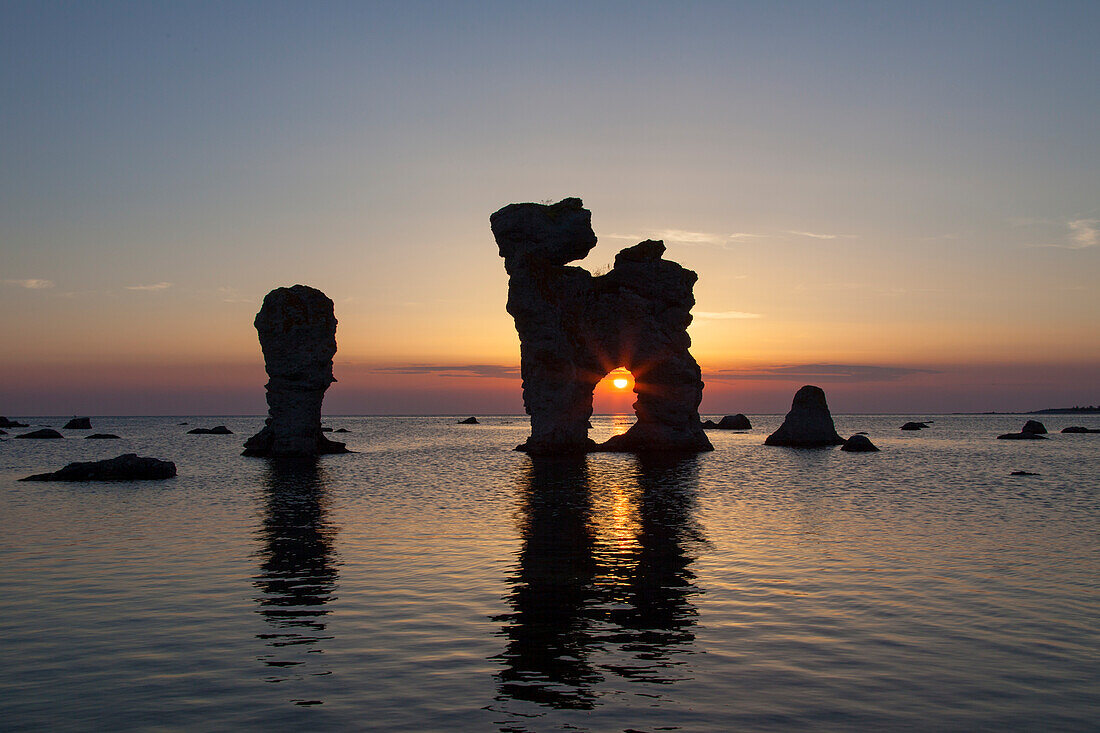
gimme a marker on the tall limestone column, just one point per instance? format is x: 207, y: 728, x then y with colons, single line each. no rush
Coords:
x: 297, y: 330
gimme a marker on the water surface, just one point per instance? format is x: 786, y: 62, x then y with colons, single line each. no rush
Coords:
x: 437, y: 580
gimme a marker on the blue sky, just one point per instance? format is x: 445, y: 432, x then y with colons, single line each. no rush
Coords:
x: 893, y: 185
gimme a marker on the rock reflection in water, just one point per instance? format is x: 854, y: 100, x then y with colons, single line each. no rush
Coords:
x: 602, y: 586
x: 298, y: 569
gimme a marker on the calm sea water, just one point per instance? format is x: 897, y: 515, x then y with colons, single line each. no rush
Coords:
x: 437, y: 580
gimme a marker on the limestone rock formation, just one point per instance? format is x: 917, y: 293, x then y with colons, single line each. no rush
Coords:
x: 43, y: 434
x: 1079, y: 429
x: 914, y: 426
x: 218, y: 430
x: 469, y: 421
x: 78, y: 423
x: 1034, y: 426
x: 6, y: 423
x: 574, y: 328
x: 297, y: 330
x: 859, y: 443
x: 101, y: 436
x: 809, y: 423
x: 128, y: 467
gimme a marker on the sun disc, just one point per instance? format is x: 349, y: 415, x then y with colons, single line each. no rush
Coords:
x: 620, y: 383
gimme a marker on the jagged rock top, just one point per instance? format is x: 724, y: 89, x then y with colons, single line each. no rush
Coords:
x: 553, y: 233
x: 297, y: 332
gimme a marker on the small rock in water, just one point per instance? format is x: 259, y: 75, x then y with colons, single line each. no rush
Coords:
x: 1023, y: 473
x: 1034, y: 426
x: 809, y: 423
x: 1021, y: 436
x: 341, y: 430
x: 78, y: 423
x: 128, y: 467
x: 101, y: 436
x: 859, y: 443
x: 914, y: 426
x: 182, y: 423
x: 1079, y: 429
x: 734, y: 422
x: 706, y: 424
x: 41, y: 434
x: 469, y: 421
x: 219, y: 430
x: 6, y: 423
x: 326, y: 430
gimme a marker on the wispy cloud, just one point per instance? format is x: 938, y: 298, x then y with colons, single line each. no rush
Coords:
x: 1080, y: 233
x: 819, y: 235
x: 724, y: 315
x: 679, y: 236
x: 746, y: 235
x: 1084, y: 232
x: 151, y: 288
x: 32, y: 283
x: 821, y: 373
x: 452, y: 370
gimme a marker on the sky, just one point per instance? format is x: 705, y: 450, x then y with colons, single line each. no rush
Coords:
x: 899, y: 202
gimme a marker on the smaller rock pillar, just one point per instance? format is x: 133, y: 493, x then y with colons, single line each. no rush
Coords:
x: 809, y: 423
x: 297, y: 330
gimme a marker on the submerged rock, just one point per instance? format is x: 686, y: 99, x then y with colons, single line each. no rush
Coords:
x: 809, y: 423
x: 297, y: 330
x: 575, y: 328
x: 469, y: 421
x: 219, y: 430
x: 1023, y: 473
x: 128, y: 467
x: 859, y: 443
x: 101, y: 436
x: 78, y: 423
x: 6, y: 423
x: 914, y: 426
x: 1079, y: 429
x: 1021, y: 436
x: 44, y: 434
x: 1034, y: 426
x: 341, y: 430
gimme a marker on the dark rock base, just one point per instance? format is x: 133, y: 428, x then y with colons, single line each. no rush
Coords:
x: 128, y: 467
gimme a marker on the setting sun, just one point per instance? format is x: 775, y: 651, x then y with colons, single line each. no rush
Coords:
x: 620, y: 382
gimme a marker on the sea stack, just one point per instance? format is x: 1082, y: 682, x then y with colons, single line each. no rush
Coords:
x: 808, y: 424
x: 297, y: 329
x: 574, y: 328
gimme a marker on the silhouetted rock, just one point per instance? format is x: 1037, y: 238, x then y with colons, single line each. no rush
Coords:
x: 861, y: 432
x: 1021, y: 436
x: 101, y: 436
x: 43, y: 434
x: 6, y: 423
x: 78, y: 423
x: 326, y: 430
x: 1079, y: 429
x: 128, y: 467
x: 914, y: 426
x: 1034, y: 426
x: 575, y: 328
x: 1023, y: 473
x: 341, y: 430
x: 219, y: 430
x: 808, y: 424
x: 734, y: 422
x: 859, y: 443
x: 469, y: 421
x: 297, y: 330
x: 709, y: 424
x: 182, y: 423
